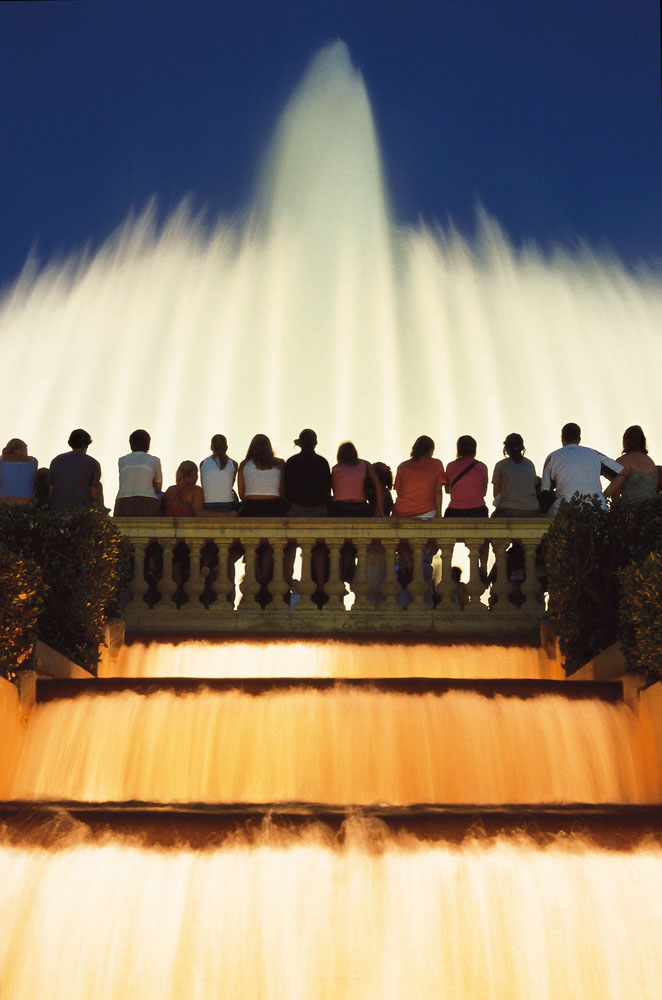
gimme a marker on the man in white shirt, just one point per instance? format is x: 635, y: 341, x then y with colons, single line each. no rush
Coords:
x: 575, y: 469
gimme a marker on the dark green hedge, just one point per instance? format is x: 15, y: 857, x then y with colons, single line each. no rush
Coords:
x: 83, y: 561
x: 587, y: 551
x: 21, y: 597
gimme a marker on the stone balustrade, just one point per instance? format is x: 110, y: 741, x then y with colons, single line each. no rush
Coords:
x: 187, y: 576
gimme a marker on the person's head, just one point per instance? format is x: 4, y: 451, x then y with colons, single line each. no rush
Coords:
x: 219, y: 450
x: 261, y: 452
x: 187, y: 473
x: 347, y: 454
x: 139, y: 440
x: 634, y: 439
x: 571, y: 434
x: 423, y: 446
x: 79, y: 440
x: 307, y: 440
x: 15, y: 448
x: 466, y: 446
x: 384, y: 474
x: 513, y: 447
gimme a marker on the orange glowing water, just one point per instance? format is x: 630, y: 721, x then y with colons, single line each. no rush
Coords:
x: 305, y: 913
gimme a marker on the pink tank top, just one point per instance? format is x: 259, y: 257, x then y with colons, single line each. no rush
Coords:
x: 349, y: 482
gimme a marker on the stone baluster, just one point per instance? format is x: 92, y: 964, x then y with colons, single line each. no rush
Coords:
x: 361, y: 583
x: 446, y: 588
x: 249, y: 585
x: 278, y: 588
x: 475, y: 586
x: 391, y: 586
x: 223, y: 587
x: 306, y: 585
x: 336, y: 586
x: 502, y: 586
x: 531, y: 584
x: 419, y: 586
x: 166, y: 585
x: 138, y: 586
x: 196, y: 581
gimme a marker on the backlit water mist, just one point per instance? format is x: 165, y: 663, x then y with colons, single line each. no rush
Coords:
x: 317, y: 309
x: 380, y: 917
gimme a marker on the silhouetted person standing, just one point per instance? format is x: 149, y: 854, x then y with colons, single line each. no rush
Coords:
x: 75, y: 477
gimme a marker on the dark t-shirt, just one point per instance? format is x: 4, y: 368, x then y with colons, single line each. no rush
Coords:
x: 307, y: 480
x: 72, y: 474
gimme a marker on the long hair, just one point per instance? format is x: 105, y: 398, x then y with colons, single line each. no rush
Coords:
x: 422, y: 446
x: 347, y: 454
x: 634, y: 439
x: 261, y: 453
x: 219, y: 450
x: 514, y: 448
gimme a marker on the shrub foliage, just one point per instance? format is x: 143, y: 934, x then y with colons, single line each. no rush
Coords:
x: 21, y: 596
x: 640, y: 614
x: 588, y: 553
x: 83, y: 561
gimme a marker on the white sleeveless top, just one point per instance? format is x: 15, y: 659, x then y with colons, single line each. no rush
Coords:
x: 261, y: 482
x: 217, y: 483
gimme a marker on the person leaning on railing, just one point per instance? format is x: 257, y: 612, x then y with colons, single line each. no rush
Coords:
x: 419, y: 484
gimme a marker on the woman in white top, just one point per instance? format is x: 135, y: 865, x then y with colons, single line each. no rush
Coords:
x: 217, y: 474
x: 260, y: 483
x: 141, y: 480
x: 261, y: 480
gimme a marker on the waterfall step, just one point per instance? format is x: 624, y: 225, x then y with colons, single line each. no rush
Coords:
x: 613, y: 825
x: 52, y: 690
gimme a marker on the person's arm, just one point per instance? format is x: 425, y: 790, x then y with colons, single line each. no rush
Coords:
x: 616, y: 485
x: 496, y: 482
x: 241, y: 489
x: 438, y: 497
x: 379, y: 496
x: 546, y: 481
x: 157, y: 481
x: 486, y: 477
x: 198, y: 502
x: 281, y: 483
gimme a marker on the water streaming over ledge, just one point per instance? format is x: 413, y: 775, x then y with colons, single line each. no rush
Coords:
x: 319, y: 310
x: 308, y: 911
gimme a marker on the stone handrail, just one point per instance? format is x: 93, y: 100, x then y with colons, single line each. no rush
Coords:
x: 184, y: 568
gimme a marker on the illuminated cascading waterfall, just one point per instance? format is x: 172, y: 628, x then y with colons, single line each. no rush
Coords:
x: 307, y: 911
x: 334, y: 747
x: 318, y: 310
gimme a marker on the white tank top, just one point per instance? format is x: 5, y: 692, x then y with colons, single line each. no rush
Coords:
x: 217, y: 483
x: 261, y: 482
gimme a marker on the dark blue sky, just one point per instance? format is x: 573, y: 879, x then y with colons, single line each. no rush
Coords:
x: 548, y: 113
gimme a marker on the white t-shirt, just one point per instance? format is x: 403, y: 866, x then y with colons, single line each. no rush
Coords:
x: 576, y: 469
x: 217, y: 483
x: 138, y: 470
x: 261, y: 482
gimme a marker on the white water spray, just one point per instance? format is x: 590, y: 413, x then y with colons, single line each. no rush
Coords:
x: 320, y: 312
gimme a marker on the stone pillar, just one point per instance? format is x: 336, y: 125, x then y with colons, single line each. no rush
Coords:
x: 501, y: 587
x: 446, y: 588
x: 391, y: 586
x: 196, y: 580
x: 335, y: 586
x: 166, y: 585
x: 249, y: 586
x: 306, y: 586
x: 531, y: 584
x: 138, y: 584
x: 361, y: 583
x: 475, y: 586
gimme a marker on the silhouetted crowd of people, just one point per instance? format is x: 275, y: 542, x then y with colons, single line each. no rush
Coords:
x: 263, y: 485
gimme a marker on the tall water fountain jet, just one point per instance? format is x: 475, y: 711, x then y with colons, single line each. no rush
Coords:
x: 320, y: 311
